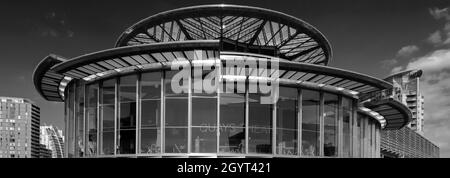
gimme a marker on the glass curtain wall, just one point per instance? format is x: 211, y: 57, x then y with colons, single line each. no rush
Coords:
x: 97, y: 126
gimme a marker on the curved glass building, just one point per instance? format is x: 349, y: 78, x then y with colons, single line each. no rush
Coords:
x: 218, y: 81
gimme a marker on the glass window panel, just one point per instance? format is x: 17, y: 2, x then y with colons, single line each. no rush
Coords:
x: 176, y: 140
x: 201, y: 76
x: 92, y: 95
x: 232, y: 110
x: 260, y: 140
x: 127, y: 128
x: 204, y: 111
x: 310, y: 122
x: 151, y: 85
x: 92, y: 131
x: 181, y: 80
x: 260, y: 115
x: 232, y: 140
x: 107, y: 112
x: 126, y: 136
x: 150, y: 140
x: 260, y: 125
x: 204, y: 140
x: 91, y: 118
x: 150, y: 113
x: 71, y: 131
x: 287, y: 121
x: 358, y: 136
x: 80, y: 119
x: 127, y: 88
x: 287, y: 142
x: 347, y: 116
x: 330, y: 127
x: 176, y: 112
x: 108, y: 91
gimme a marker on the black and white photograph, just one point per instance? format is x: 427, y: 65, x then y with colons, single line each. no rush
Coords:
x: 219, y: 87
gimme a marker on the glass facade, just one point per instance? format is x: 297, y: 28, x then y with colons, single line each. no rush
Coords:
x: 140, y: 114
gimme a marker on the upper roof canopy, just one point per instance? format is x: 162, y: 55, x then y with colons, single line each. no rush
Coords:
x: 241, y: 27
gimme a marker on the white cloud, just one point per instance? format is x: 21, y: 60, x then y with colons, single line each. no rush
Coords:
x: 440, y: 13
x: 433, y: 62
x: 435, y: 38
x: 407, y: 51
x: 404, y: 52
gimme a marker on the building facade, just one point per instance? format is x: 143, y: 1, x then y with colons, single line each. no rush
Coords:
x: 218, y: 81
x: 408, y: 142
x: 52, y: 138
x: 407, y: 87
x: 44, y: 152
x: 19, y: 128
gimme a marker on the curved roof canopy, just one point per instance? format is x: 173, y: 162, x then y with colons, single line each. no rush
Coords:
x: 121, y: 60
x: 243, y: 26
x: 396, y: 114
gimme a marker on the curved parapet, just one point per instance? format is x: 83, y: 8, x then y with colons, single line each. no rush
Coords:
x: 239, y: 28
x: 46, y: 81
x: 396, y: 114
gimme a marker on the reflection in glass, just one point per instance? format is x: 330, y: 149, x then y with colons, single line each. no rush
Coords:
x: 310, y: 123
x: 287, y: 122
x: 330, y: 127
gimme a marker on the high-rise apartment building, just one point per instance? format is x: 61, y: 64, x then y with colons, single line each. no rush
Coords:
x: 407, y: 90
x: 52, y: 138
x: 19, y: 128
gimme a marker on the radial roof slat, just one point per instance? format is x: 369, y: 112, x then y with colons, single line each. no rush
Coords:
x: 243, y: 24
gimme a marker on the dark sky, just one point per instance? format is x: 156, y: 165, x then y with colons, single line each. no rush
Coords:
x: 362, y: 33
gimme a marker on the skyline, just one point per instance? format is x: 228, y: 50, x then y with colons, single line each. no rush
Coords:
x: 374, y: 34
